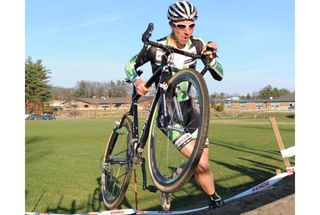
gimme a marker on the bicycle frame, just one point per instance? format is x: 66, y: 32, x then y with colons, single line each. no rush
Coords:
x: 140, y: 142
x: 158, y: 77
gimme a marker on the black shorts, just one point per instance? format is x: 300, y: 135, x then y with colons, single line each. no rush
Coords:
x: 190, y: 123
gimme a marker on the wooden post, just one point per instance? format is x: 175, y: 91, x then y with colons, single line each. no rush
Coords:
x: 279, y: 140
x: 135, y: 188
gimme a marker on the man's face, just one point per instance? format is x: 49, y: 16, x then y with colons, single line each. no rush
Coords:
x: 182, y: 30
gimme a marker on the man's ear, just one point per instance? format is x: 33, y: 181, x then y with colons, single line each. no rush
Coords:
x: 170, y: 24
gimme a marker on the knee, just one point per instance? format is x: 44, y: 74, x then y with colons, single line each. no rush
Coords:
x: 202, y: 167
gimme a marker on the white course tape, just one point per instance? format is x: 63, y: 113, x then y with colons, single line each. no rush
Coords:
x: 262, y: 186
x: 289, y: 152
x: 111, y: 212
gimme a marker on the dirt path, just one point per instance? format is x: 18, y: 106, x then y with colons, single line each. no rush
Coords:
x: 279, y: 200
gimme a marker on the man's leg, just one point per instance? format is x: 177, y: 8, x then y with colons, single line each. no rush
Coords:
x: 203, y: 175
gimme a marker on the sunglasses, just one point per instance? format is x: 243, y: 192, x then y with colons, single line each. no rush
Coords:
x: 182, y: 26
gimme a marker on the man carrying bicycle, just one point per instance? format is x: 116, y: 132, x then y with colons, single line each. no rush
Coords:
x: 182, y: 17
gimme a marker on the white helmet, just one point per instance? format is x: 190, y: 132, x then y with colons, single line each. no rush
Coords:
x: 182, y: 10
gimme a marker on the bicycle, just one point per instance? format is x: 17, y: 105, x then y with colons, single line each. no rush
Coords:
x: 174, y: 94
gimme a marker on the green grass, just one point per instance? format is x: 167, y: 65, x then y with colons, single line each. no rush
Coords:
x: 63, y: 163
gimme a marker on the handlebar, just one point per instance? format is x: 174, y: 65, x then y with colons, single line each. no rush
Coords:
x: 145, y: 39
x: 147, y: 34
x: 169, y: 49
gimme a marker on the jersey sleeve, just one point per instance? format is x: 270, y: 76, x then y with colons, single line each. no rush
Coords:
x: 216, y: 68
x: 130, y: 69
x: 135, y: 62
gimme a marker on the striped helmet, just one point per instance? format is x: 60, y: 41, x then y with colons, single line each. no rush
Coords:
x: 182, y: 10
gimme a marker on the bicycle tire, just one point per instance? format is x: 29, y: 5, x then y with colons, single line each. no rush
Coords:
x: 117, y: 165
x: 157, y: 139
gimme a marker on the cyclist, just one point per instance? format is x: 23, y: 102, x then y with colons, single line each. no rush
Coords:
x: 182, y: 17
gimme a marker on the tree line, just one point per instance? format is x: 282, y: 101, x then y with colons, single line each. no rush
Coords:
x: 37, y: 88
x: 38, y: 91
x: 92, y: 89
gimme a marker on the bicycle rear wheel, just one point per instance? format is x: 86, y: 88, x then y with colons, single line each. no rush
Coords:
x: 117, y: 165
x: 182, y: 113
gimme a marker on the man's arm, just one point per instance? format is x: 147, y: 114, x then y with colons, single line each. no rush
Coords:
x: 130, y: 69
x: 216, y: 68
x: 132, y: 74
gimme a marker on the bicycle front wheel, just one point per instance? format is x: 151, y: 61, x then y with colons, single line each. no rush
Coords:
x: 181, y: 117
x: 117, y: 165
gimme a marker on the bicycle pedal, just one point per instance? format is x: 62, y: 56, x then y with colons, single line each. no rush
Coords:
x: 152, y: 189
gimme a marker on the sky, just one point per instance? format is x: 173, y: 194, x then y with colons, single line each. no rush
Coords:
x: 93, y: 39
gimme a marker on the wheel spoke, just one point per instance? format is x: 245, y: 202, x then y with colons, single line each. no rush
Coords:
x: 186, y: 94
x: 117, y: 165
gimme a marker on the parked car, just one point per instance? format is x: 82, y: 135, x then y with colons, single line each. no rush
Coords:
x: 34, y: 117
x: 41, y: 117
x: 48, y: 116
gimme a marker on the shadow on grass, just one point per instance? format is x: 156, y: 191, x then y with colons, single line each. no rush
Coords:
x: 93, y: 204
x: 36, y: 139
x: 290, y: 116
x: 195, y: 198
x: 258, y: 172
x: 254, y: 202
x: 242, y: 148
x: 268, y: 128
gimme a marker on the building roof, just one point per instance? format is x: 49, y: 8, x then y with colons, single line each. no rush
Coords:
x: 118, y: 100
x: 93, y: 100
x: 265, y: 100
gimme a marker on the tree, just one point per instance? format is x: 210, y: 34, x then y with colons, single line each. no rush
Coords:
x: 219, y: 107
x: 268, y: 92
x: 212, y: 99
x: 284, y: 91
x: 248, y: 96
x: 82, y: 90
x: 37, y: 87
x: 118, y: 89
x: 61, y: 93
x: 88, y: 89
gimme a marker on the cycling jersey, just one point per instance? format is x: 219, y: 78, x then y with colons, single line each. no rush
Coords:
x: 153, y: 55
x: 177, y: 62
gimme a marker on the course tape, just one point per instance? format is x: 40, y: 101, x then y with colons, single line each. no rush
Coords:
x: 289, y: 152
x: 260, y: 187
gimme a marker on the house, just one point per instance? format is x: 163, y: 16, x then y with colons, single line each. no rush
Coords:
x: 106, y: 103
x: 281, y: 103
x: 57, y: 104
x: 98, y: 103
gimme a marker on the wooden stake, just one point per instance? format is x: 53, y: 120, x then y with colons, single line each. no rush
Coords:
x: 135, y: 188
x: 279, y: 140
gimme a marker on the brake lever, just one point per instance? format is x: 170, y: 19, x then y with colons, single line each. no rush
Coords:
x: 212, y: 49
x: 147, y: 34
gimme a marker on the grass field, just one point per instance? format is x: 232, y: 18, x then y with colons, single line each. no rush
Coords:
x: 63, y: 162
